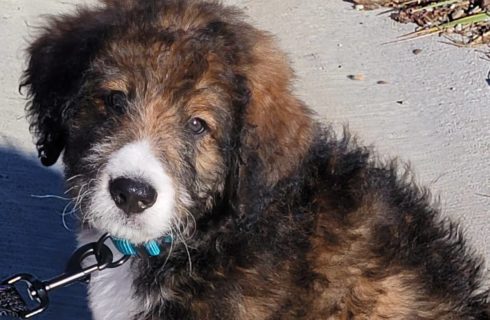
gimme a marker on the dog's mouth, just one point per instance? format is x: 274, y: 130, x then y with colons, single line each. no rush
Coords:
x: 133, y: 197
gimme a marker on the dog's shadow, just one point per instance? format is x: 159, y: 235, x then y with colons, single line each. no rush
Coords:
x: 32, y: 235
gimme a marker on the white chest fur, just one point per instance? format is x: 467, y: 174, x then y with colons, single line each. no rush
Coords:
x: 111, y: 295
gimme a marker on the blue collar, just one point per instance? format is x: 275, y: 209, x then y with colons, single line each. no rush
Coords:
x: 152, y: 247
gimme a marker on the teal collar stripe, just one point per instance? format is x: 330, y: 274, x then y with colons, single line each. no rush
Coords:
x: 129, y: 249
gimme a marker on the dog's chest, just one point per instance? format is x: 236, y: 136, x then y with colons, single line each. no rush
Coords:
x: 111, y: 294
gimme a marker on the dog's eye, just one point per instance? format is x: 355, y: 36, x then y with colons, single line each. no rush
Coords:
x: 116, y: 101
x: 197, y: 125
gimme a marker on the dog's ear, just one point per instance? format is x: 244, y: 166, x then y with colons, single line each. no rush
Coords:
x: 278, y: 127
x: 57, y: 61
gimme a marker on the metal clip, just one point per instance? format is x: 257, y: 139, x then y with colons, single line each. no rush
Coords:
x: 74, y: 272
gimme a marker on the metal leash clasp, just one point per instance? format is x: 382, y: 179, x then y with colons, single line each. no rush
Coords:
x: 75, y: 272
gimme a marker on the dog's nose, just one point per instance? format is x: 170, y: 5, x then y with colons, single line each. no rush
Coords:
x: 132, y: 196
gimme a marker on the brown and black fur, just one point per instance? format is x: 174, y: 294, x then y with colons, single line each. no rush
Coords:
x: 290, y: 221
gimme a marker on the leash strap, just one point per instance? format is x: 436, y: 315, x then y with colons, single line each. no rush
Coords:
x: 11, y: 303
x: 14, y: 305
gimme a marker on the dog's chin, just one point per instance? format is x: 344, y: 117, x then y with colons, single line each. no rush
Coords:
x: 136, y: 230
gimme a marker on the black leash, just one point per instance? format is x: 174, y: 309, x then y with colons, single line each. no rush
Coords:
x: 14, y: 305
x: 11, y: 303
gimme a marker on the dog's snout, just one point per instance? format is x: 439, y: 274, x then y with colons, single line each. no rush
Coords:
x: 132, y: 196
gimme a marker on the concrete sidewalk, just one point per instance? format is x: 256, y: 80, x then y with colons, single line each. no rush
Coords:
x: 433, y: 111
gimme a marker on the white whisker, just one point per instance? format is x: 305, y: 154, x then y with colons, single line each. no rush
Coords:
x: 73, y: 177
x: 170, y: 250
x: 49, y: 196
x: 181, y: 237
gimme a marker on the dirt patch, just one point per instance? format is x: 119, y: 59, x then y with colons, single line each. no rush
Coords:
x: 463, y: 22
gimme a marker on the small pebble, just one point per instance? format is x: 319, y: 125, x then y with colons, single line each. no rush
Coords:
x: 359, y: 7
x: 381, y: 82
x: 357, y: 77
x: 416, y: 51
x: 476, y: 9
x: 400, y: 102
x: 457, y: 14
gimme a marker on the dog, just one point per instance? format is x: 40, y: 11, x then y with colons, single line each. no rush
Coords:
x: 176, y: 119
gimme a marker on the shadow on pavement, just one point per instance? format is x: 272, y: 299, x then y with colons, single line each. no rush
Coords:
x: 32, y: 236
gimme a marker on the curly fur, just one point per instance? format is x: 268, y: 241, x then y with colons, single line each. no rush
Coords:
x: 284, y: 220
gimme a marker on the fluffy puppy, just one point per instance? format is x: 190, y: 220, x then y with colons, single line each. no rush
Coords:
x: 176, y: 117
